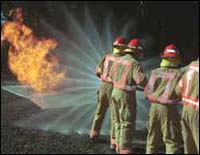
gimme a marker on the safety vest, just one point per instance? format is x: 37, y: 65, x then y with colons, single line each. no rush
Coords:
x: 161, y: 86
x: 189, y: 85
x: 105, y: 66
x: 122, y: 73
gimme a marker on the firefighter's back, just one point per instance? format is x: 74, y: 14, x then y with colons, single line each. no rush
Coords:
x: 163, y: 119
x: 123, y: 80
x: 162, y: 84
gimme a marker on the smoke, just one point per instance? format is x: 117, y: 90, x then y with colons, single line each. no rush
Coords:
x: 148, y: 44
x: 130, y: 29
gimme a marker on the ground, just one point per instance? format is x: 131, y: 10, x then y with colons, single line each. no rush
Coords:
x: 30, y: 141
x: 18, y: 140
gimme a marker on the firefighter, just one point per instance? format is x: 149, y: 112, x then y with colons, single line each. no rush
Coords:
x: 104, y: 93
x: 126, y: 74
x: 163, y: 119
x: 188, y: 88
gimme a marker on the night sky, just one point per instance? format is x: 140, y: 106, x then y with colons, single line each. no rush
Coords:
x: 166, y: 21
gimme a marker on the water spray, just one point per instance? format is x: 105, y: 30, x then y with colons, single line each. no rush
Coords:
x: 72, y: 107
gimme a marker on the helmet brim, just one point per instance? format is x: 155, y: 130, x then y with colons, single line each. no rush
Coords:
x: 132, y: 50
x: 170, y: 55
x: 118, y: 45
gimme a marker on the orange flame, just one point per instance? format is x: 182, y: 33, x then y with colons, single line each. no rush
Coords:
x: 30, y: 58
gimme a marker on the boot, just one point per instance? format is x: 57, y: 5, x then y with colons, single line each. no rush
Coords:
x: 125, y: 151
x: 94, y: 134
x: 112, y: 144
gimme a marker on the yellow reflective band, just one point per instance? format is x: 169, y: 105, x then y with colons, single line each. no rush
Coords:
x: 170, y: 62
x: 116, y: 50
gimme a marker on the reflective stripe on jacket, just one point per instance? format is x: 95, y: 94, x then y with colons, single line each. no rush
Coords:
x: 161, y: 85
x: 189, y: 85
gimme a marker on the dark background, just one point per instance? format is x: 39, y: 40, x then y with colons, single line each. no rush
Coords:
x: 166, y: 21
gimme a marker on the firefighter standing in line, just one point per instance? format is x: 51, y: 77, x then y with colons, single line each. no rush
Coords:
x: 126, y: 74
x: 163, y: 121
x: 188, y: 88
x: 104, y: 93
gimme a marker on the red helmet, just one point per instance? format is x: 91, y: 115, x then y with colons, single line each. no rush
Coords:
x: 119, y: 41
x: 134, y: 44
x: 170, y: 51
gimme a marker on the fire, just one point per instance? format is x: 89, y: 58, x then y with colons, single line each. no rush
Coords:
x: 30, y: 58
